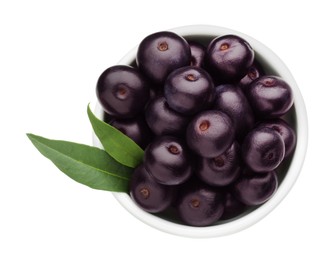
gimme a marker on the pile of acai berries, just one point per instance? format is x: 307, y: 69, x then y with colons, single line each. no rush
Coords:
x: 210, y: 123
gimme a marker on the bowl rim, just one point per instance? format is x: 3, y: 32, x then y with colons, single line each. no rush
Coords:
x: 294, y: 169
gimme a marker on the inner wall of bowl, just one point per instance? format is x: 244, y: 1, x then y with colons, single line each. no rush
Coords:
x: 290, y: 118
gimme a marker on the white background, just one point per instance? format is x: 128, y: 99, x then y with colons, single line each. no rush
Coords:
x: 51, y: 54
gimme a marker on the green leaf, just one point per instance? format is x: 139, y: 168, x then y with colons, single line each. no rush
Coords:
x: 87, y: 165
x: 115, y: 143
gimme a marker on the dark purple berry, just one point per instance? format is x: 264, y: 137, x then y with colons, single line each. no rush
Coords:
x: 135, y: 128
x: 210, y: 133
x: 230, y: 57
x: 148, y: 194
x: 200, y: 206
x: 285, y: 130
x: 161, y: 53
x: 263, y: 149
x: 188, y: 90
x: 197, y: 54
x: 232, y: 206
x: 122, y: 91
x: 255, y: 189
x: 232, y: 101
x: 269, y: 96
x: 163, y: 120
x: 168, y: 161
x: 221, y: 170
x: 254, y: 72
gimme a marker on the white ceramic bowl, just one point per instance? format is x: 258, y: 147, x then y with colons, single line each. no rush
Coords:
x: 288, y: 174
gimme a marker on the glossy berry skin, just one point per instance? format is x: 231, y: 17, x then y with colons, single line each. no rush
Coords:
x: 230, y: 57
x: 231, y: 100
x: 221, y: 170
x: 285, y: 130
x: 135, y: 128
x: 210, y: 133
x: 200, y: 206
x: 270, y: 96
x: 160, y: 53
x: 254, y: 72
x: 148, y: 194
x: 263, y: 149
x: 255, y: 189
x: 232, y: 206
x: 168, y: 161
x: 163, y: 120
x: 197, y: 54
x: 188, y: 90
x: 122, y: 91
